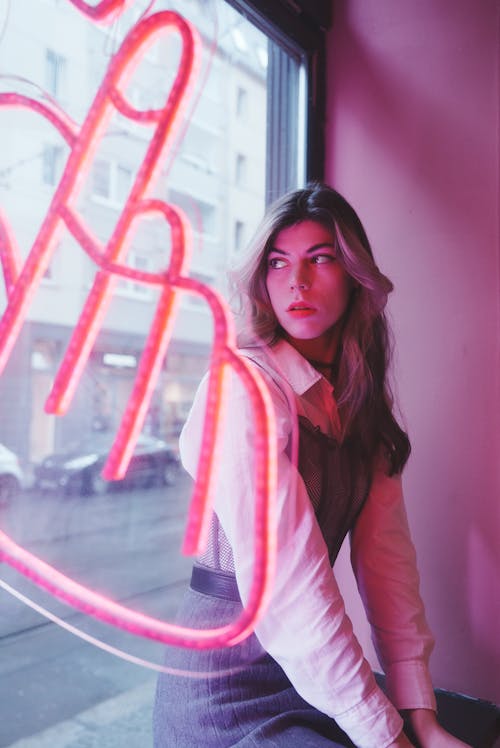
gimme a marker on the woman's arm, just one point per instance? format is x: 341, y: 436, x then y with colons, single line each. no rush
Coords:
x: 305, y: 628
x: 384, y: 563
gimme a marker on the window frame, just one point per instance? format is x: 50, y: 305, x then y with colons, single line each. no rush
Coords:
x: 298, y: 29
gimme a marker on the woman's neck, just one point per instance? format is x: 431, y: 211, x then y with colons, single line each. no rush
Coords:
x: 320, y: 352
x: 327, y: 365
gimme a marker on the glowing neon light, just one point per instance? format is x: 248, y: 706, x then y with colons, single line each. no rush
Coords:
x: 21, y: 284
x: 108, y: 647
x: 9, y: 255
x: 106, y: 10
x: 61, y: 214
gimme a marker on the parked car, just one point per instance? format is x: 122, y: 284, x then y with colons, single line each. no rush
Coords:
x: 11, y: 476
x: 78, y: 469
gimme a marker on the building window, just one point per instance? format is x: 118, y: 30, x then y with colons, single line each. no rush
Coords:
x: 240, y: 176
x: 202, y: 216
x: 101, y: 179
x: 239, y: 39
x: 55, y: 67
x: 52, y: 158
x: 140, y: 262
x: 199, y: 148
x: 263, y: 57
x: 129, y: 287
x: 239, y: 235
x: 241, y: 102
x: 111, y: 182
x: 123, y: 182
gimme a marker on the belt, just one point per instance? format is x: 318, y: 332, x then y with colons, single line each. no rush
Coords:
x: 216, y: 583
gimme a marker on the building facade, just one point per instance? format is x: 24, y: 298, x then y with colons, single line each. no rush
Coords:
x: 215, y: 174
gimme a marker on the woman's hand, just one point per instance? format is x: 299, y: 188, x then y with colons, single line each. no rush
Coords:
x: 429, y: 732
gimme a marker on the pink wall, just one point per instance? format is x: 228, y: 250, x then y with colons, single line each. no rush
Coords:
x: 413, y: 142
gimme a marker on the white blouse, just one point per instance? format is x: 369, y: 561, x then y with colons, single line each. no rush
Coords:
x: 305, y: 628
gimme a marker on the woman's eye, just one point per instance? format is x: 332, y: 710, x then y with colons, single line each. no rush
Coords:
x: 320, y: 259
x: 276, y: 263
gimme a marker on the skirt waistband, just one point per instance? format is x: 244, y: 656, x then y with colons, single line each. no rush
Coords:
x: 216, y: 583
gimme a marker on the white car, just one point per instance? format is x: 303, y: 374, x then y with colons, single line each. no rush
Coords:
x: 11, y: 477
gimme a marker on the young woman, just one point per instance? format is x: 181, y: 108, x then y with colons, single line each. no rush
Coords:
x: 313, y: 302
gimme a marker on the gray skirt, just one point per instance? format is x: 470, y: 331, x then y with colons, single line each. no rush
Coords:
x: 247, y: 700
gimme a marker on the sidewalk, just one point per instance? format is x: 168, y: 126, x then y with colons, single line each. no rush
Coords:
x: 124, y: 720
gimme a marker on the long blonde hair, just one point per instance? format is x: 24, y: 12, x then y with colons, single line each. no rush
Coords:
x: 363, y: 395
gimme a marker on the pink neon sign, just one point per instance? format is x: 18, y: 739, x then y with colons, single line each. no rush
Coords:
x: 104, y: 10
x: 22, y: 282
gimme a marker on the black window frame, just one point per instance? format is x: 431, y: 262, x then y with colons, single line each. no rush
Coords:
x: 298, y: 29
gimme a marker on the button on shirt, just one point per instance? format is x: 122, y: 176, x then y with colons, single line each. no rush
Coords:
x: 305, y: 627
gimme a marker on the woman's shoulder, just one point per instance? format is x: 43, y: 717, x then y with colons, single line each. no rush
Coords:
x: 266, y: 361
x: 262, y: 356
x: 235, y: 391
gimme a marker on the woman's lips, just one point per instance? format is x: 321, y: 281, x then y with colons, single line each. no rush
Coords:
x: 298, y: 309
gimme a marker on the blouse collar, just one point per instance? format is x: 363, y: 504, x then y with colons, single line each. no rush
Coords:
x: 292, y: 366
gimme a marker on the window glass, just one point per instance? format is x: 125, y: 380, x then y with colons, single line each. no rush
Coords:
x: 51, y: 164
x: 123, y: 182
x: 241, y: 102
x: 101, y: 178
x: 241, y: 170
x: 54, y: 72
x: 121, y: 538
x: 239, y: 235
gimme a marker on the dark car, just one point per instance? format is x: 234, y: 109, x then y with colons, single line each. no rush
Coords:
x: 78, y: 469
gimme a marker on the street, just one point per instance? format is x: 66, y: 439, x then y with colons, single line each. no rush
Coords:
x: 124, y: 544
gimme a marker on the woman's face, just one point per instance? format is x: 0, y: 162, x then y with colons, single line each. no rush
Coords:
x: 308, y: 288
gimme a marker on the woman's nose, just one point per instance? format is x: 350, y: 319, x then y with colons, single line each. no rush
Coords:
x: 299, y: 279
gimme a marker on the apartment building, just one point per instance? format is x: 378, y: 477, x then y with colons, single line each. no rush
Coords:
x: 215, y: 173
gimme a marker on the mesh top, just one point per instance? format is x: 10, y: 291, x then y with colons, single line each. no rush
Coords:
x: 336, y: 486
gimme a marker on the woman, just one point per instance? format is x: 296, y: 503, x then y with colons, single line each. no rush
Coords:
x: 313, y: 301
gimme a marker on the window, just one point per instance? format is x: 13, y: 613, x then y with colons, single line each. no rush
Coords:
x: 202, y: 215
x: 239, y: 235
x: 52, y: 163
x: 123, y: 182
x: 101, y: 178
x: 129, y: 287
x: 241, y: 102
x: 240, y: 174
x: 200, y: 146
x: 263, y: 57
x: 111, y: 181
x: 239, y: 39
x: 55, y: 66
x: 249, y: 136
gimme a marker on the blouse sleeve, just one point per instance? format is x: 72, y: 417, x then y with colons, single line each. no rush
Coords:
x: 384, y: 563
x: 305, y: 628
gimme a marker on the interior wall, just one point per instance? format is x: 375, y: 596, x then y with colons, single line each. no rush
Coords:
x: 413, y: 142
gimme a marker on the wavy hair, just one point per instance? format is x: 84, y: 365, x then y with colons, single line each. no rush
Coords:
x: 363, y: 394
